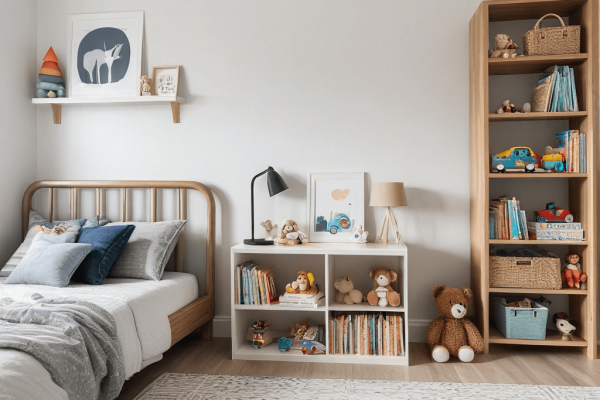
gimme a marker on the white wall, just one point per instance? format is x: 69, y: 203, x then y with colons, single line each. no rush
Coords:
x: 17, y: 116
x: 380, y: 87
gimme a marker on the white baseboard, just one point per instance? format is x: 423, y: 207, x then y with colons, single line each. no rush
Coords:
x: 416, y: 333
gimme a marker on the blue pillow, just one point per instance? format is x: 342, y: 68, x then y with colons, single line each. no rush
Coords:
x: 107, y: 244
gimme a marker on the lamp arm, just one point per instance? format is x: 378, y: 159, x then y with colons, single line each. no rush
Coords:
x: 252, y: 198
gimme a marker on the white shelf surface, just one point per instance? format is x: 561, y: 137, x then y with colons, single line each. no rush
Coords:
x: 121, y: 100
x: 368, y: 249
x: 271, y: 353
x: 276, y: 307
x: 363, y: 307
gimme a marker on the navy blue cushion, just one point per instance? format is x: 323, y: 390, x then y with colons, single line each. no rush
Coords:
x: 107, y: 244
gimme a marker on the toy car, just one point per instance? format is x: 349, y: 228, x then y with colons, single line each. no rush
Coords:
x: 553, y: 162
x: 516, y: 158
x: 551, y: 213
x: 339, y: 222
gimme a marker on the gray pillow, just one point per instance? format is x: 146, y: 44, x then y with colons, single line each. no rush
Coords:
x: 51, y: 260
x: 148, y: 250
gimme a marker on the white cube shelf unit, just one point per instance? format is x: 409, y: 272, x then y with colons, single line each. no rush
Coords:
x: 328, y: 261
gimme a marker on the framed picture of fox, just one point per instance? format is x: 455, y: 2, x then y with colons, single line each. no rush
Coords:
x: 105, y: 54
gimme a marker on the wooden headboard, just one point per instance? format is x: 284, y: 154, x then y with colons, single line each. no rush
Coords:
x: 153, y: 186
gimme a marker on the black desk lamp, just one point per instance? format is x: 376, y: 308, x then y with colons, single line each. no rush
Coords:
x: 276, y: 184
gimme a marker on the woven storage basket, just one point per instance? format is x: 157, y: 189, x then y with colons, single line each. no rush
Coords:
x: 552, y: 41
x: 520, y: 323
x: 525, y: 272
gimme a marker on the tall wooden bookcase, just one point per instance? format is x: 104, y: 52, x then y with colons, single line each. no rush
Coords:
x: 582, y: 187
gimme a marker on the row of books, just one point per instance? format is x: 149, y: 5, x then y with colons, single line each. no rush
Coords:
x: 570, y: 231
x: 372, y: 333
x: 573, y: 147
x: 556, y: 91
x: 296, y: 300
x: 253, y: 285
x: 507, y: 220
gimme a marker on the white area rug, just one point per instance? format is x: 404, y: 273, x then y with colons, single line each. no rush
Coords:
x: 197, y: 387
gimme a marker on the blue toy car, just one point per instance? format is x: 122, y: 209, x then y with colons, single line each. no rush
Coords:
x: 516, y: 157
x: 340, y: 222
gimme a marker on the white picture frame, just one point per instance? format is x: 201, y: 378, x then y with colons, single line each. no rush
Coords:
x: 336, y: 202
x: 170, y: 82
x: 104, y: 54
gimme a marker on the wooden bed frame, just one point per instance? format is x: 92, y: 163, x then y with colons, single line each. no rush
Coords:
x: 199, y: 314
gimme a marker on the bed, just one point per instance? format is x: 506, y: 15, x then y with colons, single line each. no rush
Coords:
x: 151, y: 316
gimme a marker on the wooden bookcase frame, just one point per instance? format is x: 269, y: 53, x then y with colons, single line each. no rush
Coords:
x: 583, y: 188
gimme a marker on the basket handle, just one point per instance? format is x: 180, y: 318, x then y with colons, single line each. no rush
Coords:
x: 537, y: 25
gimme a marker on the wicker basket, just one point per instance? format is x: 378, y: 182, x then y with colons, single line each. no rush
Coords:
x: 552, y: 41
x: 520, y: 323
x: 525, y: 272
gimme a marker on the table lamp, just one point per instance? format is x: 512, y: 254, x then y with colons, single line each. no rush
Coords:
x: 388, y: 194
x: 275, y: 184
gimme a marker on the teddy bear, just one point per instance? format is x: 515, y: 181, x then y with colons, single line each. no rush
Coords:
x: 451, y: 333
x: 290, y: 233
x: 382, y: 292
x: 270, y: 228
x: 504, y: 47
x: 304, y: 284
x: 299, y: 328
x: 346, y: 293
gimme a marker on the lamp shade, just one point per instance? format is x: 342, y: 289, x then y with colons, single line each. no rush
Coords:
x: 388, y: 194
x: 275, y: 182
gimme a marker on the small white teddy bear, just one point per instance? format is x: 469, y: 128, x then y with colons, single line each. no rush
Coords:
x: 359, y: 235
x: 271, y: 230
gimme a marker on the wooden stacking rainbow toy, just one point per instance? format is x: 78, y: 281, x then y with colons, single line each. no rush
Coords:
x: 50, y: 81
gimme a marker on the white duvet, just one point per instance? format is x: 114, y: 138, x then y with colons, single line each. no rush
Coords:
x: 141, y: 309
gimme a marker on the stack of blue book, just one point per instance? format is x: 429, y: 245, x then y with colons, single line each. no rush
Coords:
x: 562, y: 95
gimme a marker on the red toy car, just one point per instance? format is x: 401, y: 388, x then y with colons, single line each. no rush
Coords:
x: 551, y: 213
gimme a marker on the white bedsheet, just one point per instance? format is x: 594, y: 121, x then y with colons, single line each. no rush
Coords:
x: 140, y: 307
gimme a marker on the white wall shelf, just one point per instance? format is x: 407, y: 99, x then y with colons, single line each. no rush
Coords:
x: 58, y: 102
x: 327, y: 261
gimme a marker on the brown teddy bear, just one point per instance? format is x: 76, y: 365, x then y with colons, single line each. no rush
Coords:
x: 382, y: 292
x: 346, y: 293
x: 451, y: 333
x: 290, y: 233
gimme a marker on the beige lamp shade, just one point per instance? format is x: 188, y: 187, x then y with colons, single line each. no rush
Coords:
x: 388, y: 194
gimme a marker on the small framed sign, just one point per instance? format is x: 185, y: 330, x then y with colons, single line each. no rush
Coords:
x: 165, y: 80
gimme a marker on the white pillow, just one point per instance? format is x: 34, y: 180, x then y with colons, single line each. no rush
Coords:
x: 20, y: 253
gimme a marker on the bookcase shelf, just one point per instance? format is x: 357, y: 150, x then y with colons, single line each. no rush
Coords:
x: 582, y: 188
x: 328, y: 261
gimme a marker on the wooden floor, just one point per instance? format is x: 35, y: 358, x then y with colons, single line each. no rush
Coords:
x: 505, y: 364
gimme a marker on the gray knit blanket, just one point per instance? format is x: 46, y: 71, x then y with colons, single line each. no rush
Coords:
x: 74, y: 340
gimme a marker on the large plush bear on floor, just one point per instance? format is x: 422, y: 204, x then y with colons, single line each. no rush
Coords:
x: 451, y: 333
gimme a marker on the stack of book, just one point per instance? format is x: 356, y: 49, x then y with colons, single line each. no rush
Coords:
x: 555, y: 91
x: 507, y: 220
x: 253, y: 285
x: 572, y: 145
x: 297, y: 300
x: 570, y: 231
x: 373, y: 333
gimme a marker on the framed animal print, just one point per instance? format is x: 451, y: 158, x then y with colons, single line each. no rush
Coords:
x: 336, y: 204
x: 165, y: 80
x: 105, y: 54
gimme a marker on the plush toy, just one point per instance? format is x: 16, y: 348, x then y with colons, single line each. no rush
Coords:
x: 565, y: 325
x: 304, y: 284
x: 504, y: 47
x: 145, y: 85
x: 382, y: 292
x: 299, y: 328
x: 270, y: 228
x: 359, y: 235
x: 346, y: 293
x: 451, y: 333
x: 290, y: 233
x: 572, y: 273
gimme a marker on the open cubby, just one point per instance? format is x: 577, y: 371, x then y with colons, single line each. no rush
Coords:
x: 491, y: 82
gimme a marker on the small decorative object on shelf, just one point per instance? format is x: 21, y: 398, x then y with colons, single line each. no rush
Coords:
x: 382, y: 293
x: 299, y: 329
x: 565, y: 325
x: 572, y: 273
x: 359, y: 235
x: 50, y: 82
x: 284, y: 344
x: 304, y: 284
x: 165, y: 80
x: 526, y: 108
x: 271, y: 230
x: 258, y: 339
x: 504, y: 47
x: 552, y: 213
x: 516, y: 159
x: 389, y: 194
x: 145, y: 86
x: 290, y: 233
x: 451, y: 333
x: 553, y: 160
x: 552, y: 41
x: 346, y: 294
